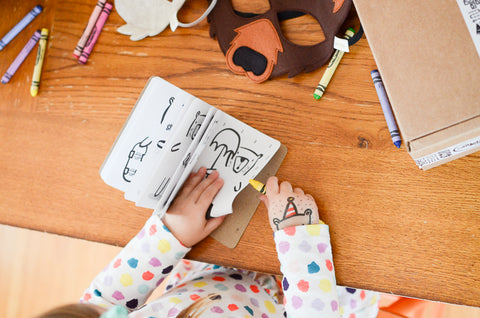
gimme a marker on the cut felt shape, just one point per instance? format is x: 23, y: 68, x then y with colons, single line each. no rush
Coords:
x: 254, y: 50
x: 150, y: 17
x: 245, y: 37
x: 146, y: 17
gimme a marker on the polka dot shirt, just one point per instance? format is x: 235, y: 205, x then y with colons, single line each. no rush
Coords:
x: 308, y: 287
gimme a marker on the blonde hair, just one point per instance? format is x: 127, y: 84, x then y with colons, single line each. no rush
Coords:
x: 196, y: 309
x: 89, y: 311
x: 72, y: 311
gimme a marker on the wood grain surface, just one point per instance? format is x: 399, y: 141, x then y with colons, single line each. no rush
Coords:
x: 394, y: 228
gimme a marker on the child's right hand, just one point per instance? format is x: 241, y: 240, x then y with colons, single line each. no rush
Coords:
x: 186, y: 216
x: 287, y: 206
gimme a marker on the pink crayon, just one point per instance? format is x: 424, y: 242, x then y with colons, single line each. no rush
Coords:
x: 95, y: 33
x: 21, y: 57
x: 88, y: 29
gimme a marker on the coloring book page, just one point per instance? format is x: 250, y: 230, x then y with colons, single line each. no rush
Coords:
x: 186, y: 168
x: 141, y: 141
x: 173, y: 156
x: 169, y: 134
x: 239, y: 152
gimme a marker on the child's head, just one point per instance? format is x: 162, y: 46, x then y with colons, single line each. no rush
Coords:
x: 74, y: 311
x: 92, y: 311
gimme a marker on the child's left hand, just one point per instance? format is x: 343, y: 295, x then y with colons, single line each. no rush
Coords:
x: 186, y: 216
x: 287, y: 206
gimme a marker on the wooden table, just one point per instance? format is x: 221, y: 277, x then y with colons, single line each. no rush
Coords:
x: 394, y: 228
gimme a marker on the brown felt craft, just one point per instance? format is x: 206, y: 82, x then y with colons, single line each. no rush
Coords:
x: 255, y: 46
x: 247, y: 50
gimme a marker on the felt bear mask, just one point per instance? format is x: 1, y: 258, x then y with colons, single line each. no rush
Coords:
x: 254, y: 45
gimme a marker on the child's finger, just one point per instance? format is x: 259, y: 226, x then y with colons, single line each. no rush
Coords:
x: 209, y: 193
x: 285, y: 186
x: 265, y: 201
x: 193, y: 180
x: 272, y: 185
x: 298, y: 191
x: 197, y: 193
x: 212, y: 224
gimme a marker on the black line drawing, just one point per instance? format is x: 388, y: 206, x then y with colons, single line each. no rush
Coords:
x: 186, y: 160
x: 236, y: 189
x: 209, y: 172
x: 241, y: 159
x: 161, y: 188
x: 170, y: 101
x: 227, y: 141
x: 176, y: 147
x: 135, y: 157
x: 161, y: 143
x: 195, y: 125
x: 291, y: 211
x: 473, y: 3
x: 245, y: 159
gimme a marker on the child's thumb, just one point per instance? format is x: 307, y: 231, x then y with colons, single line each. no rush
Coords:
x: 212, y: 224
x: 264, y: 199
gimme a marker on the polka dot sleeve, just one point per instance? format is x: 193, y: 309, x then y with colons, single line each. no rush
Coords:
x: 306, y: 261
x: 138, y: 269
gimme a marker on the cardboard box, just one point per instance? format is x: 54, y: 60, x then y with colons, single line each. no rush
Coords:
x: 428, y: 56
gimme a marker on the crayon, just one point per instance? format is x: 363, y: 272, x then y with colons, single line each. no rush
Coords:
x: 37, y: 70
x: 95, y: 33
x: 21, y: 57
x: 387, y: 110
x: 20, y: 26
x: 88, y: 29
x: 260, y: 187
x: 332, y: 66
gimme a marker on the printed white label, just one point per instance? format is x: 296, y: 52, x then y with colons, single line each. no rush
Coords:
x: 448, y: 152
x: 471, y: 14
x: 341, y: 44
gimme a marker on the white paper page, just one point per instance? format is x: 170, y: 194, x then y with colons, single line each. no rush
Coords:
x: 185, y: 132
x: 136, y: 143
x: 239, y: 152
x: 163, y: 137
x: 188, y: 161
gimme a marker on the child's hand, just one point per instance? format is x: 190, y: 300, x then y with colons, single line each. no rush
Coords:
x: 186, y: 216
x: 287, y: 206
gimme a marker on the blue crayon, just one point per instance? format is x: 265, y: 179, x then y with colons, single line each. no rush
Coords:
x: 20, y: 26
x: 387, y: 110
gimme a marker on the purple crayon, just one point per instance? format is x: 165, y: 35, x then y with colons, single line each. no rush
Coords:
x: 20, y: 26
x: 21, y: 57
x: 387, y: 110
x: 95, y: 33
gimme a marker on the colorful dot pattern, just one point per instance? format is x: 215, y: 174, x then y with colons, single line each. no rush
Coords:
x: 309, y: 277
x: 138, y: 269
x: 155, y: 255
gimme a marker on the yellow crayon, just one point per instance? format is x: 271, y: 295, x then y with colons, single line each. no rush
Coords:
x: 260, y: 187
x: 37, y: 70
x: 332, y: 66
